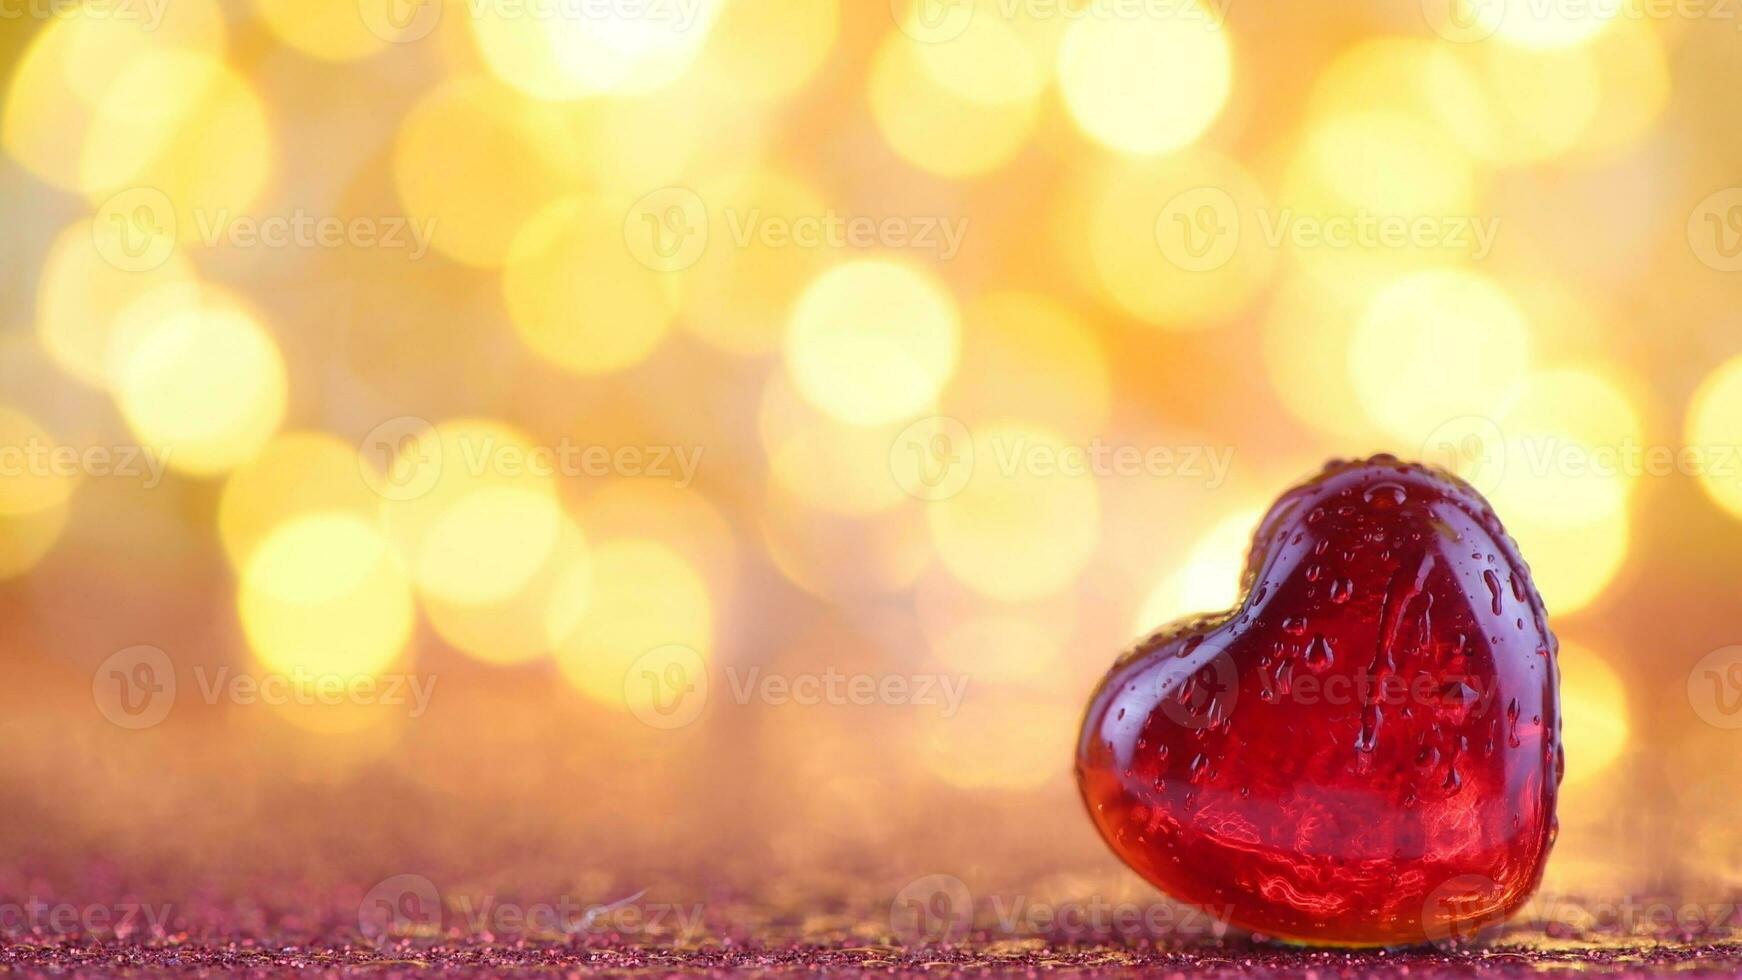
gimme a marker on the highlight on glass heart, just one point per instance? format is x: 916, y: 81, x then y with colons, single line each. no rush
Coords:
x: 860, y: 469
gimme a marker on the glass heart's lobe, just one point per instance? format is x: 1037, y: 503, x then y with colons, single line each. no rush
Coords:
x: 1366, y: 749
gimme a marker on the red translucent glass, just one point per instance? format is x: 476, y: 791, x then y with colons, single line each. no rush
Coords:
x: 1366, y: 749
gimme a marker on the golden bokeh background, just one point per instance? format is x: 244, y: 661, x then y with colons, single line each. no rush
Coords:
x: 595, y: 361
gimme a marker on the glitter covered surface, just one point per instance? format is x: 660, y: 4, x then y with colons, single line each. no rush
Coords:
x: 849, y: 943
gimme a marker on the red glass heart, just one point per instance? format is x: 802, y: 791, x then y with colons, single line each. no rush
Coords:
x: 1366, y: 749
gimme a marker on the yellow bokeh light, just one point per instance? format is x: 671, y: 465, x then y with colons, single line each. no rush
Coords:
x: 1176, y: 241
x: 186, y: 127
x: 581, y: 299
x: 1534, y: 24
x: 196, y: 375
x: 1305, y: 344
x: 872, y: 341
x: 644, y: 597
x: 1574, y: 446
x: 1594, y: 715
x: 35, y: 474
x: 1386, y: 163
x: 1209, y: 580
x: 1437, y: 346
x: 325, y: 595
x: 1028, y: 518
x: 937, y: 129
x: 479, y: 160
x: 1026, y: 356
x: 592, y: 49
x: 71, y: 67
x: 471, y: 506
x: 1539, y: 103
x: 837, y: 556
x: 530, y: 622
x: 1714, y: 423
x: 1146, y: 84
x: 997, y: 739
x: 769, y: 49
x: 991, y: 61
x: 296, y: 473
x: 82, y: 293
x: 745, y: 281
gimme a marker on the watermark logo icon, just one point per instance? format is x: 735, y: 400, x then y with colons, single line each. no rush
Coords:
x: 1459, y: 908
x: 932, y: 910
x: 1207, y: 692
x: 400, y: 21
x: 667, y: 229
x: 932, y: 459
x: 400, y: 459
x: 135, y: 687
x: 667, y: 687
x: 1198, y: 230
x: 1715, y: 230
x: 1464, y: 21
x: 1471, y: 446
x: 932, y: 21
x: 135, y: 229
x: 1715, y: 688
x: 404, y: 906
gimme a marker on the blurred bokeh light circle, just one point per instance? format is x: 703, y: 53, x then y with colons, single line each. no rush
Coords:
x: 1146, y: 83
x: 645, y: 597
x: 296, y: 473
x: 872, y: 340
x: 935, y: 127
x: 1714, y: 428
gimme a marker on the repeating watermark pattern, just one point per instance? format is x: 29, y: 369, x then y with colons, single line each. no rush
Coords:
x: 941, y: 21
x: 938, y: 909
x: 935, y: 457
x: 402, y: 459
x: 148, y: 14
x: 1715, y: 230
x: 135, y: 688
x: 1715, y: 688
x: 1470, y: 906
x: 1470, y: 21
x: 1481, y: 452
x: 411, y: 907
x: 670, y: 229
x: 35, y: 917
x: 1200, y: 230
x: 409, y: 21
x: 668, y: 687
x: 136, y: 230
x: 42, y: 458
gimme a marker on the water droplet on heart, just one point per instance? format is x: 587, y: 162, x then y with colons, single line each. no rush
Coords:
x: 1493, y: 582
x: 1384, y: 496
x: 1314, y: 572
x: 1341, y: 590
x: 1318, y: 652
x: 1294, y: 625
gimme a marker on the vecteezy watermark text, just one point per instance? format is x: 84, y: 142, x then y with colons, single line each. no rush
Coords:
x: 37, y: 457
x: 410, y: 906
x: 939, y: 909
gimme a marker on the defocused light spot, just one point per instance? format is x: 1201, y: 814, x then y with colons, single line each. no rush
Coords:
x: 82, y: 293
x: 337, y: 31
x: 1026, y: 356
x: 296, y: 473
x: 1386, y: 163
x: 681, y: 518
x: 1539, y: 103
x: 26, y: 538
x: 592, y: 49
x: 185, y: 126
x: 71, y: 67
x: 197, y: 376
x: 745, y: 282
x: 531, y: 621
x: 990, y: 62
x: 1535, y: 24
x: 324, y: 594
x: 578, y: 296
x: 1594, y: 723
x: 1146, y: 84
x: 1572, y: 563
x: 1027, y: 520
x: 936, y: 129
x: 1714, y: 424
x: 1305, y: 343
x: 1000, y: 648
x: 479, y: 161
x: 1176, y: 241
x: 768, y: 49
x: 826, y: 463
x: 872, y: 341
x: 1574, y: 446
x: 1209, y: 581
x: 644, y: 597
x: 33, y: 477
x: 1437, y: 346
x: 488, y: 520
